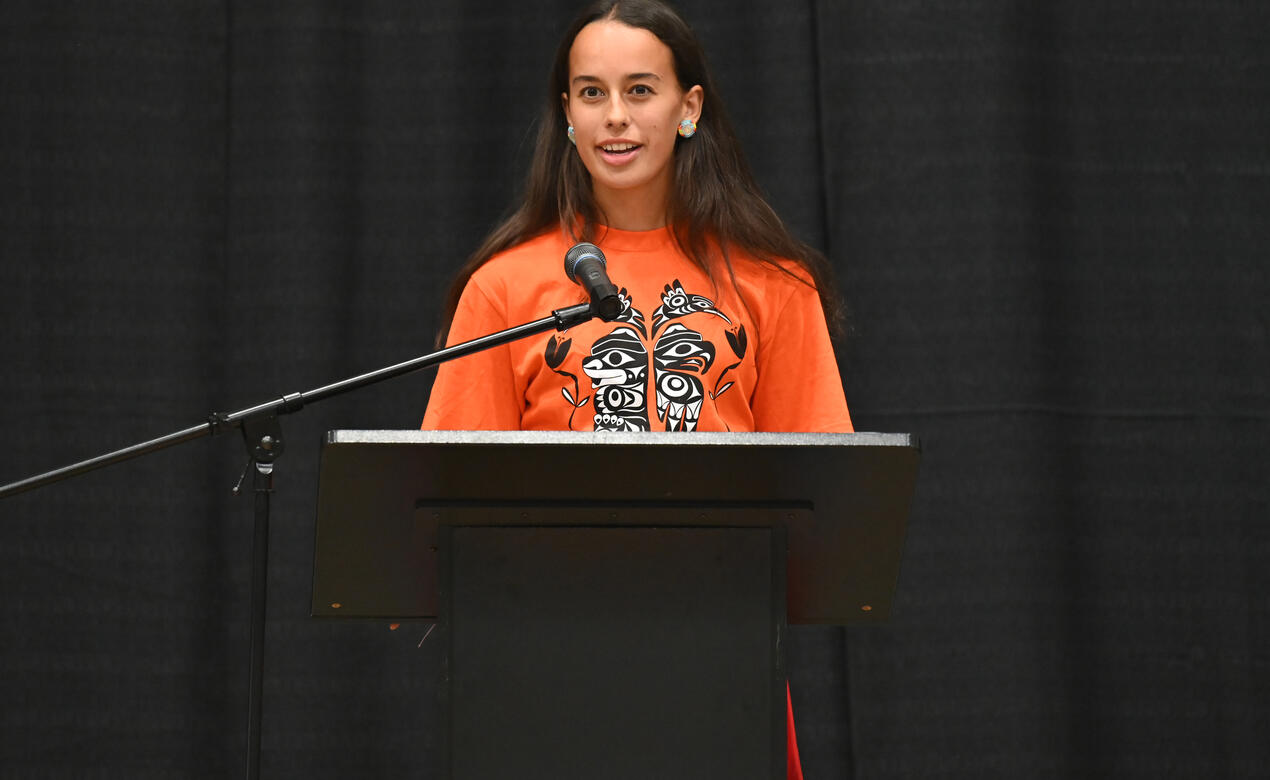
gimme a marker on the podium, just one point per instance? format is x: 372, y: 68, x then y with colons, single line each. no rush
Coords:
x: 612, y: 605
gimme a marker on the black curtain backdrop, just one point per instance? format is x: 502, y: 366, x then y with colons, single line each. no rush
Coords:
x: 1050, y: 221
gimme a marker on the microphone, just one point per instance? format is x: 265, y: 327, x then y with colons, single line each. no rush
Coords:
x: 585, y: 265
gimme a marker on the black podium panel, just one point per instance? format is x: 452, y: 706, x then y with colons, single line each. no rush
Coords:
x: 614, y: 652
x: 613, y: 605
x: 375, y: 551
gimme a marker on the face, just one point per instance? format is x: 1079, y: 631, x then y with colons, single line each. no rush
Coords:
x: 625, y: 105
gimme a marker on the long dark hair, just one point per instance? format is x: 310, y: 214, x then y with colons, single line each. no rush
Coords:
x: 715, y: 208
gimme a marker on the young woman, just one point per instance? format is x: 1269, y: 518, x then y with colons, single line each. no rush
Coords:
x: 723, y: 325
x: 724, y: 319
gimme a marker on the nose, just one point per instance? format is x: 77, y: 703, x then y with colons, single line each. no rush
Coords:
x: 617, y: 115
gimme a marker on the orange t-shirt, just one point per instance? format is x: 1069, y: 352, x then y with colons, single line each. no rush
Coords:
x: 685, y: 354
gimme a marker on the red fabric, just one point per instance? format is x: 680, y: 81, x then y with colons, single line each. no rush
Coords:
x: 793, y: 766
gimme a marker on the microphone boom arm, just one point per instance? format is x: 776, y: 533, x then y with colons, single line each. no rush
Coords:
x: 218, y: 422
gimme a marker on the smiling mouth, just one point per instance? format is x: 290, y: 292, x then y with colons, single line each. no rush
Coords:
x: 619, y: 148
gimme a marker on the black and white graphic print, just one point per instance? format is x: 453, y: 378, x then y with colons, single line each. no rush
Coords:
x: 669, y: 361
x: 618, y: 367
x: 681, y: 358
x: 676, y: 303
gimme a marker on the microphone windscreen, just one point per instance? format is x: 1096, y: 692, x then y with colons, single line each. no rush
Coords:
x: 579, y: 253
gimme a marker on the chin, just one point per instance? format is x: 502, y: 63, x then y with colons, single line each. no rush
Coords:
x: 625, y: 181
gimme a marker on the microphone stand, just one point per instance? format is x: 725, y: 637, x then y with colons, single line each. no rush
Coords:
x: 262, y: 437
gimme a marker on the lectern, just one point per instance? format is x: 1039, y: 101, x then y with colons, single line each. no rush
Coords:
x: 612, y: 605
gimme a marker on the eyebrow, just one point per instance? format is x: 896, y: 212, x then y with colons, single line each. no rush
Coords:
x: 629, y: 77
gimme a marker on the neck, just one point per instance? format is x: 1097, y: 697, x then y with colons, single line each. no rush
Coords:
x: 643, y: 208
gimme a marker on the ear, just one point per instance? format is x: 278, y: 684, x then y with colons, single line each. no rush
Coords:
x: 564, y: 105
x: 694, y: 100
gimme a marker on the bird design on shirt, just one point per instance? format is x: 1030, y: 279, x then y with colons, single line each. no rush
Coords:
x: 621, y: 370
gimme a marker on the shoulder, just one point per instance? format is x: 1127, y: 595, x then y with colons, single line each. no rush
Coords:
x: 526, y: 279
x: 539, y: 257
x: 778, y: 279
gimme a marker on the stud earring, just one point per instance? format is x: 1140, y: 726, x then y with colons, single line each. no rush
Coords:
x: 687, y: 128
x: 573, y: 139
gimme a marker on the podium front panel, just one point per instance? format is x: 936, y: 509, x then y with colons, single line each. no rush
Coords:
x: 615, y: 652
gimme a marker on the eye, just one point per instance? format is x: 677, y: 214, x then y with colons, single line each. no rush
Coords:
x: 641, y: 90
x: 617, y: 359
x: 590, y: 92
x: 621, y: 398
x: 682, y: 350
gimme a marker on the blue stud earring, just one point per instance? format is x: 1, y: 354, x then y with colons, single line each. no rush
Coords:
x: 687, y: 128
x: 573, y: 139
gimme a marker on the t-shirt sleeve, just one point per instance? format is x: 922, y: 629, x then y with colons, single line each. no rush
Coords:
x: 799, y: 388
x: 478, y: 392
